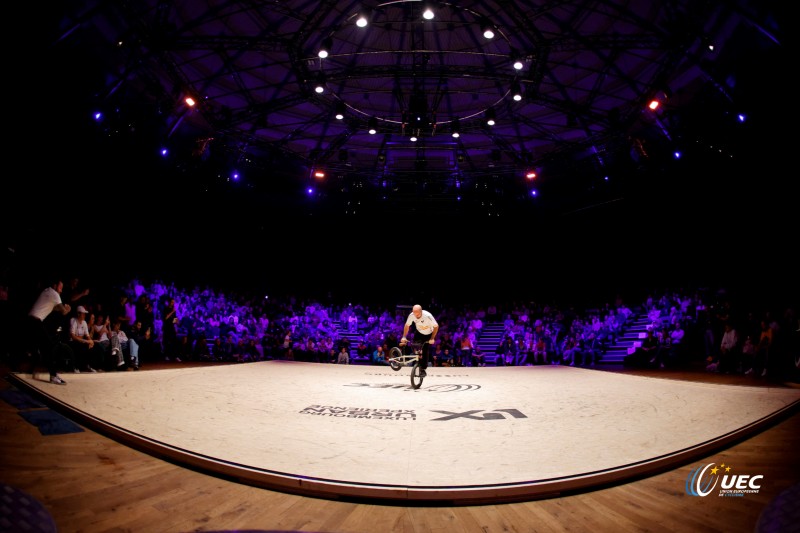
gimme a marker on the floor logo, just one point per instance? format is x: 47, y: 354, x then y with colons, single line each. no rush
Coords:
x: 441, y: 387
x: 703, y: 480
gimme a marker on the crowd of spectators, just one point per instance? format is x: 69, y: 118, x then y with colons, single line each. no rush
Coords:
x: 173, y: 323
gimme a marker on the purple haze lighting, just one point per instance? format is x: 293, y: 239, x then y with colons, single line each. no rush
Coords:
x: 741, y: 117
x: 98, y: 116
x: 310, y: 190
x: 235, y: 175
x: 164, y: 152
x: 677, y: 155
x: 533, y: 192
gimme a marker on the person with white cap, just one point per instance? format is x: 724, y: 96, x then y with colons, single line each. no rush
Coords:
x: 81, y: 340
x: 48, y: 301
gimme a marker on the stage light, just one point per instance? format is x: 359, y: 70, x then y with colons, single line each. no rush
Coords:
x: 516, y: 91
x: 455, y: 128
x: 319, y: 174
x: 340, y: 109
x: 487, y: 29
x: 319, y: 88
x: 190, y: 101
x: 363, y: 18
x: 490, y: 116
x: 373, y: 126
x: 428, y: 13
x: 325, y: 48
x: 530, y: 175
x: 98, y: 116
x: 653, y: 105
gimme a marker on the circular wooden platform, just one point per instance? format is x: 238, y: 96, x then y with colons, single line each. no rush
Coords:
x: 468, y: 435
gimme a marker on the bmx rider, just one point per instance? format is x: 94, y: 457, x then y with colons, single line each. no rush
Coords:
x: 427, y: 327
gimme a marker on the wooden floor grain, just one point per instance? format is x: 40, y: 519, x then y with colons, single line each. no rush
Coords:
x: 90, y: 483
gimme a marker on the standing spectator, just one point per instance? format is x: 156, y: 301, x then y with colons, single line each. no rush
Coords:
x: 169, y: 330
x: 44, y: 341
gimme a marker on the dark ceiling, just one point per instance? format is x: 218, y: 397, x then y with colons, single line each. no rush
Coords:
x: 589, y: 69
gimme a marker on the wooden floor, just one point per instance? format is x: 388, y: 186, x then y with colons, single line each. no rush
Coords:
x: 91, y: 483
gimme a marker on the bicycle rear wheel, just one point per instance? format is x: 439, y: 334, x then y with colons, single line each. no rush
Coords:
x: 395, y: 353
x: 416, y: 375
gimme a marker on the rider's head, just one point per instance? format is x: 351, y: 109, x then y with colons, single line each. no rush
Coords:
x: 417, y: 310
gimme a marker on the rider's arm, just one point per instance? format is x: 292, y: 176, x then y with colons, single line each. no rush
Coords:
x: 405, y: 332
x: 433, y: 335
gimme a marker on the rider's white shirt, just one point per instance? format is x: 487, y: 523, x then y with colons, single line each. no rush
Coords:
x: 424, y: 324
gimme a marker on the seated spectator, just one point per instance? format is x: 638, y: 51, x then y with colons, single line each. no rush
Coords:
x: 81, y: 342
x: 121, y: 348
x: 478, y: 357
x: 200, y: 349
x: 100, y: 329
x: 645, y: 354
x: 539, y: 351
x: 343, y: 357
x: 379, y: 356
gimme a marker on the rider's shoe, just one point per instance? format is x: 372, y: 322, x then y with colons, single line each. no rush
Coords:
x: 422, y: 373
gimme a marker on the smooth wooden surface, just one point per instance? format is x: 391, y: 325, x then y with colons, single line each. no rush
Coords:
x: 92, y: 483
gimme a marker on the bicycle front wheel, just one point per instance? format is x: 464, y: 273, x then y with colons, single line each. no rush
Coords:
x: 416, y: 376
x: 394, y: 354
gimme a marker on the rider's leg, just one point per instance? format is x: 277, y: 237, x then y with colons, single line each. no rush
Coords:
x: 425, y: 351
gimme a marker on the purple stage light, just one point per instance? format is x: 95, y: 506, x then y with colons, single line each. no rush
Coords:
x: 98, y: 116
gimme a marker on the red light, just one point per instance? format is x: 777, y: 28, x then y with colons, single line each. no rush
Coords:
x: 319, y: 174
x: 653, y: 105
x: 189, y: 101
x: 530, y: 175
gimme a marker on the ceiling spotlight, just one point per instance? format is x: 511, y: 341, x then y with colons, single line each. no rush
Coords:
x: 490, y: 117
x: 325, y: 48
x: 340, y: 109
x: 516, y: 92
x: 319, y: 88
x: 413, y: 138
x: 428, y: 13
x: 373, y: 126
x: 362, y: 19
x: 487, y: 29
x: 455, y: 128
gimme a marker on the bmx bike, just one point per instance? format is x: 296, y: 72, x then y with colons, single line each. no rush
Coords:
x: 399, y: 357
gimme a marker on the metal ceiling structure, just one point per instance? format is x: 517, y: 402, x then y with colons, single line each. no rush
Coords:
x: 588, y: 70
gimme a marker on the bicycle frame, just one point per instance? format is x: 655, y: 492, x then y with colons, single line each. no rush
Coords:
x: 405, y: 359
